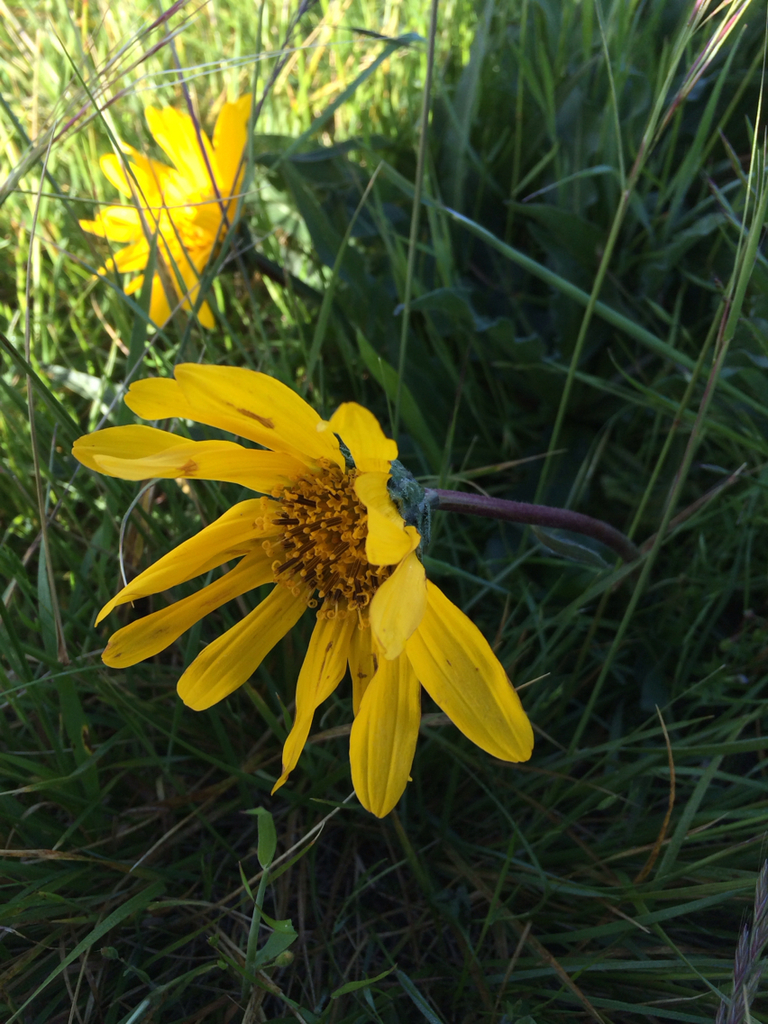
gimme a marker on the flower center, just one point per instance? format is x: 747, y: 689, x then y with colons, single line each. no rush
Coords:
x: 324, y: 529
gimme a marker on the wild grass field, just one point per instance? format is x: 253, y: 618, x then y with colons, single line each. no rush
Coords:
x: 575, y: 314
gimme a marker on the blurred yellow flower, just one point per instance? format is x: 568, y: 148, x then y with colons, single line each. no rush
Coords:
x: 188, y: 206
x: 332, y: 538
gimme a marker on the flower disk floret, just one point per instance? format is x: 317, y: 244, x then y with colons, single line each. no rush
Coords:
x: 323, y: 542
x: 326, y: 531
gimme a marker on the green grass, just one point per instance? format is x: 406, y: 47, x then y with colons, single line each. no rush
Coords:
x: 586, y: 318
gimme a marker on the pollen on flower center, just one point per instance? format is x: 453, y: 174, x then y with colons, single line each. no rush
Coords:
x: 323, y: 544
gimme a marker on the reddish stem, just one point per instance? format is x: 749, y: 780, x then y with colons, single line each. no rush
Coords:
x: 535, y: 515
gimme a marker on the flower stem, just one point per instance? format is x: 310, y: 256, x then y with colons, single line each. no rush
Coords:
x: 536, y: 515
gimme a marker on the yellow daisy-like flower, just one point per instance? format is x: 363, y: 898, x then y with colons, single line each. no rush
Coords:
x: 188, y: 206
x: 331, y: 537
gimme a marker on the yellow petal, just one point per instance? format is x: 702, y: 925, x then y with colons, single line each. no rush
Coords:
x: 233, y: 657
x: 229, y: 138
x: 324, y: 665
x: 159, y: 306
x: 153, y: 633
x: 191, y: 278
x: 206, y: 317
x: 123, y: 223
x: 125, y: 443
x: 239, y: 531
x: 361, y: 433
x: 183, y: 144
x: 159, y: 398
x: 171, y: 249
x: 183, y: 283
x: 135, y: 285
x: 210, y: 221
x: 113, y: 170
x: 94, y: 227
x: 144, y: 180
x: 132, y: 257
x: 398, y: 606
x: 458, y: 669
x: 118, y: 223
x: 389, y: 540
x: 383, y: 737
x: 163, y: 398
x: 363, y: 662
x: 265, y: 410
x: 207, y: 460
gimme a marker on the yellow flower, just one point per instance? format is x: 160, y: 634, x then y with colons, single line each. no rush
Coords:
x: 330, y: 537
x: 188, y: 206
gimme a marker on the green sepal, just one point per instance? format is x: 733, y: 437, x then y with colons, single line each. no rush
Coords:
x: 411, y: 500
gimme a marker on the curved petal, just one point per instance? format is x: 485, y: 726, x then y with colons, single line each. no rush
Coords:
x: 363, y: 662
x: 163, y: 398
x: 239, y: 531
x: 389, y: 540
x: 208, y: 460
x: 183, y: 144
x: 324, y: 665
x: 126, y: 443
x: 383, y: 738
x: 153, y: 633
x: 227, y: 662
x: 398, y: 606
x: 159, y: 398
x: 229, y: 138
x: 361, y: 433
x: 458, y: 669
x: 265, y: 410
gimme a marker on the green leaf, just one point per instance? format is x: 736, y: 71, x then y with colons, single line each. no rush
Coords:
x: 418, y: 999
x: 70, y: 428
x: 45, y: 606
x: 283, y: 936
x: 355, y: 986
x: 84, y: 384
x: 569, y: 549
x: 245, y: 882
x: 564, y: 230
x: 267, y: 836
